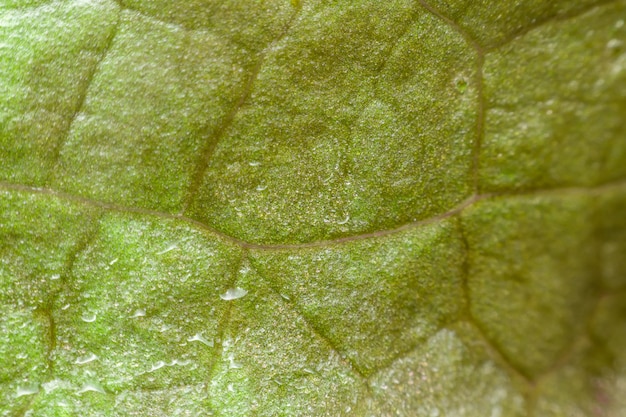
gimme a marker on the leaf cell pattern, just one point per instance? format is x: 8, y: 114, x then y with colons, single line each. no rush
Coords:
x: 423, y: 202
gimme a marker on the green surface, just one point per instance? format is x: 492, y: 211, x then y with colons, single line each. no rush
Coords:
x: 305, y: 208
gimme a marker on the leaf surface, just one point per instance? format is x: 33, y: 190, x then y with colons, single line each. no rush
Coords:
x: 364, y: 208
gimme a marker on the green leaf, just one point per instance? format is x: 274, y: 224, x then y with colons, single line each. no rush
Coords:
x: 306, y: 208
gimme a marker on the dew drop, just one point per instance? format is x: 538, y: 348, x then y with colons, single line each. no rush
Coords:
x: 614, y: 44
x: 233, y: 294
x: 233, y: 364
x: 262, y: 187
x: 114, y: 261
x: 156, y: 366
x: 27, y: 390
x: 168, y: 249
x: 88, y: 317
x: 86, y: 359
x: 55, y: 277
x: 180, y: 362
x: 52, y: 385
x: 92, y: 386
x: 344, y: 221
x: 199, y: 338
x: 138, y: 313
x: 461, y: 85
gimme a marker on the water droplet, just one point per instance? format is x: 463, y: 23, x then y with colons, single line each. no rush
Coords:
x: 285, y: 296
x: 156, y: 366
x: 55, y: 277
x: 199, y: 338
x: 261, y: 187
x: 168, y: 249
x: 53, y: 385
x: 231, y: 388
x: 180, y: 362
x: 461, y: 85
x: 254, y: 163
x: 233, y: 294
x: 344, y: 221
x: 113, y: 261
x: 614, y: 44
x: 27, y: 390
x: 233, y: 364
x: 65, y: 307
x: 86, y: 359
x: 92, y: 386
x: 88, y: 317
x: 138, y: 313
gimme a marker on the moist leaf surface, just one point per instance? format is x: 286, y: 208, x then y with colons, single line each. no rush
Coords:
x: 299, y: 208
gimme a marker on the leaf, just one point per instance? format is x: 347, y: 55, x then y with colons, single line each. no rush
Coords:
x: 309, y: 208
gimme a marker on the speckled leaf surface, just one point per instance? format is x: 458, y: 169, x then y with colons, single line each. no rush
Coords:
x: 312, y: 208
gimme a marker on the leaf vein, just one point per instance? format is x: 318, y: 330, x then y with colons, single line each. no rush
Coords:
x: 558, y: 18
x: 82, y: 98
x: 316, y: 332
x: 568, y: 190
x: 206, y: 155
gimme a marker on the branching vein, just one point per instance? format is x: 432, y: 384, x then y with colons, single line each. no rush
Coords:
x: 82, y: 98
x: 619, y: 184
x: 211, y: 145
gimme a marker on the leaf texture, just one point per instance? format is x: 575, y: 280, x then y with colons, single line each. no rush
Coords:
x: 312, y: 208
